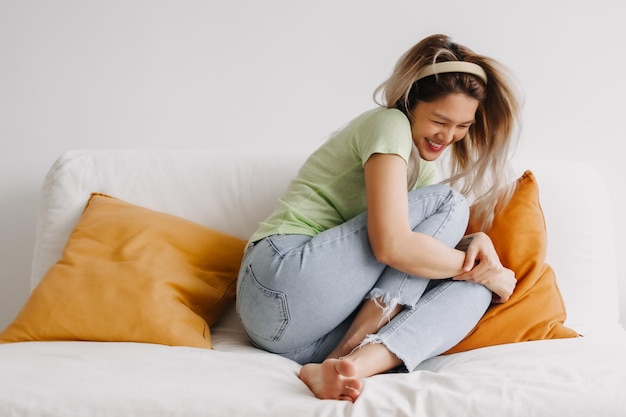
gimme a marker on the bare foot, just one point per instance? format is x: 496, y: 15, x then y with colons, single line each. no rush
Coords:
x: 333, y: 379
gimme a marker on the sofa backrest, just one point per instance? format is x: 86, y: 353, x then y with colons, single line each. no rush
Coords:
x: 232, y: 192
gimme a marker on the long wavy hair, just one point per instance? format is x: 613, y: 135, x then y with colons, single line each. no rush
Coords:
x: 479, y: 164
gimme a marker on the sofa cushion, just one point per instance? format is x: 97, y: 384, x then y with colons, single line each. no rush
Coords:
x: 128, y: 273
x: 535, y: 310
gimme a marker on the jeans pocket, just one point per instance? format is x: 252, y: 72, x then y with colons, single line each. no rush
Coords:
x: 263, y: 311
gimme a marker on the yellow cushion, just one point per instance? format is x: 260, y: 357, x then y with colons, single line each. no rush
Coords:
x: 535, y: 311
x: 132, y: 274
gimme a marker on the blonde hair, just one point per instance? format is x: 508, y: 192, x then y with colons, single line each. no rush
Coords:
x: 479, y: 164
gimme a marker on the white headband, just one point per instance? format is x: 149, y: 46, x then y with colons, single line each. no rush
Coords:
x: 452, y: 66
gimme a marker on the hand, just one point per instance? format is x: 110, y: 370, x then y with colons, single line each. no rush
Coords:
x: 481, y: 258
x: 482, y: 265
x: 502, y: 286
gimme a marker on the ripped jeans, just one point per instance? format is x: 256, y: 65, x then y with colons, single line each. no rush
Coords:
x: 297, y: 295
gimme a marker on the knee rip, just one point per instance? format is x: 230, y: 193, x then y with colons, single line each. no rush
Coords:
x: 370, y: 339
x: 386, y: 303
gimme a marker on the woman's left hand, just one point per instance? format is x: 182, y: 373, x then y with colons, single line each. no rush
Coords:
x: 482, y: 264
x: 481, y: 258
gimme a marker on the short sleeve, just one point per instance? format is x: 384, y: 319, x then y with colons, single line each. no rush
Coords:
x: 386, y: 131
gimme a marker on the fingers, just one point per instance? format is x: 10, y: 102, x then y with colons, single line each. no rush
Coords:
x: 465, y: 276
x: 500, y: 280
x: 481, y: 273
x: 470, y: 259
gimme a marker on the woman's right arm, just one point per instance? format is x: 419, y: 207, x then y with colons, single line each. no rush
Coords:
x: 395, y: 244
x: 390, y: 235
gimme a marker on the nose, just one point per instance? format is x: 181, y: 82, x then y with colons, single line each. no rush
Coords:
x: 446, y: 135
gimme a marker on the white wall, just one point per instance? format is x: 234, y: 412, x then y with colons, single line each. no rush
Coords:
x: 269, y: 74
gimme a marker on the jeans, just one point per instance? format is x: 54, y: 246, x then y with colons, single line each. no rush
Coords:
x: 297, y: 295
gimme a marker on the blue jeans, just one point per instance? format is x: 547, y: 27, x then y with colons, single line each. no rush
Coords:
x: 297, y: 295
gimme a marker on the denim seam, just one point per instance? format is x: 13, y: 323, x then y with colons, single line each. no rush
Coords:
x: 276, y: 250
x: 298, y: 251
x: 449, y: 200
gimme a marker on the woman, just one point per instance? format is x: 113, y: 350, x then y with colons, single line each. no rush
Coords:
x: 352, y: 275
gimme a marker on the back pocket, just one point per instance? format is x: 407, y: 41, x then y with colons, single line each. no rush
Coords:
x: 264, y: 313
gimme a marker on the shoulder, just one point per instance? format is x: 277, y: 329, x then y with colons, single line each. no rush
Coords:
x: 385, y: 118
x: 375, y: 121
x: 379, y: 123
x: 380, y: 130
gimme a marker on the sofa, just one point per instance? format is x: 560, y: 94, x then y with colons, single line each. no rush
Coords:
x: 133, y: 305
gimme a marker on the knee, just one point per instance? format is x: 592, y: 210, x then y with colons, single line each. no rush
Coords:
x: 458, y: 200
x: 479, y: 294
x: 455, y: 203
x: 449, y: 195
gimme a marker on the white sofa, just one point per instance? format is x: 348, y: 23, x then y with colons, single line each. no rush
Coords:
x: 232, y: 192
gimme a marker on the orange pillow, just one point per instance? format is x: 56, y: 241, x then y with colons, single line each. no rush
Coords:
x: 535, y: 311
x: 132, y: 274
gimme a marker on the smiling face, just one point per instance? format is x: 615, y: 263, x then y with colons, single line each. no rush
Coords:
x: 437, y: 124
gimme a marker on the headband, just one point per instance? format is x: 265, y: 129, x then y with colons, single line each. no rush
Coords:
x: 452, y: 66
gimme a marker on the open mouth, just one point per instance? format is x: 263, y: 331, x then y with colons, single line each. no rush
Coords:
x: 434, y: 145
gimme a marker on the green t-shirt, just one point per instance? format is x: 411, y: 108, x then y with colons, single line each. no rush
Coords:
x: 329, y: 188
